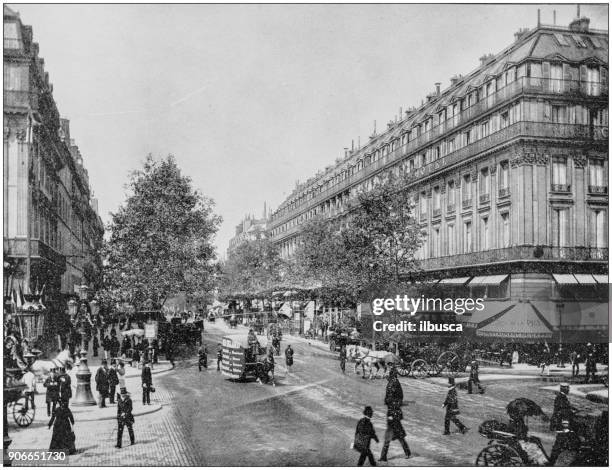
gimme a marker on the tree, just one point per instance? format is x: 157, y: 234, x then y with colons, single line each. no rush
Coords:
x: 370, y: 250
x: 255, y: 266
x: 160, y: 239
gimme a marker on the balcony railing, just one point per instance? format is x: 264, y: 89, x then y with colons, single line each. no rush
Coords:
x: 598, y: 189
x: 17, y: 247
x: 484, y: 199
x: 466, y: 203
x: 516, y: 253
x: 516, y: 130
x: 560, y: 188
x: 503, y: 192
x: 450, y: 208
x: 437, y: 212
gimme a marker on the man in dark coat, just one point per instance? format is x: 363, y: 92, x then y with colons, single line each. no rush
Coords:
x: 474, y: 379
x: 343, y: 358
x: 147, y: 383
x: 102, y: 383
x: 566, y: 442
x: 52, y: 395
x: 452, y: 409
x: 562, y: 410
x: 591, y: 367
x: 394, y: 395
x: 113, y: 380
x: 114, y: 345
x: 395, y: 430
x: 202, y: 357
x: 125, y: 417
x: 65, y: 386
x: 363, y: 435
x: 289, y: 357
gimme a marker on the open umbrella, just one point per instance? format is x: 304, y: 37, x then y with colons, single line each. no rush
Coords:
x: 521, y: 407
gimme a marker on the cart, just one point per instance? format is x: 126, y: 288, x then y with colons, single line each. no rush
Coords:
x: 14, y: 399
x: 237, y: 362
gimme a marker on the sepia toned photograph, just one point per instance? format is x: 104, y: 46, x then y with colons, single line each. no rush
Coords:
x: 306, y: 235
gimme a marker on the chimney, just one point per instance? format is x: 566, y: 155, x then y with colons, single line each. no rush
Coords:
x: 580, y: 25
x: 345, y: 152
x: 520, y: 34
x: 486, y: 58
x: 438, y: 88
x: 455, y: 79
x: 554, y: 17
x: 538, y: 17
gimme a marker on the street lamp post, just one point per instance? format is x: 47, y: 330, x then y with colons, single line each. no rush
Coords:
x: 84, y: 396
x: 560, y: 308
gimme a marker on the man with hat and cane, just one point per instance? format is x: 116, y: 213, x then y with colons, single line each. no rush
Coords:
x: 124, y: 417
x: 52, y: 394
x: 394, y: 398
x: 452, y: 409
x: 102, y: 382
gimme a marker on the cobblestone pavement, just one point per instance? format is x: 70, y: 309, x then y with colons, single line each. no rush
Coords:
x: 308, y: 419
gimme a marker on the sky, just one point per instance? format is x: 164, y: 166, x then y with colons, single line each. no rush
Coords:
x: 252, y: 98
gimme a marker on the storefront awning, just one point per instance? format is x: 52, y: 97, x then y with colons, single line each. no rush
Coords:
x: 488, y: 314
x: 577, y: 315
x: 455, y: 280
x: 601, y: 278
x: 520, y: 322
x: 585, y: 279
x: 494, y: 280
x: 565, y: 279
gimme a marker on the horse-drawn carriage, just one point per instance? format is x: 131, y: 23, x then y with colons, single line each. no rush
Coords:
x: 15, y: 400
x: 510, y: 445
x: 240, y: 362
x: 431, y: 361
x: 340, y: 338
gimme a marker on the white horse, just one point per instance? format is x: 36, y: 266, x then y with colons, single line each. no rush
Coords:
x: 42, y: 367
x: 368, y: 358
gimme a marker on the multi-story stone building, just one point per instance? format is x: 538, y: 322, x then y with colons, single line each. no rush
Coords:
x: 508, y: 170
x: 52, y: 231
x: 248, y: 230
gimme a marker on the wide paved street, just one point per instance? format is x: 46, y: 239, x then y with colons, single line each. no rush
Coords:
x: 309, y: 418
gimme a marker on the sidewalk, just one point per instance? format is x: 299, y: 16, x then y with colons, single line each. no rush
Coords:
x: 133, y: 385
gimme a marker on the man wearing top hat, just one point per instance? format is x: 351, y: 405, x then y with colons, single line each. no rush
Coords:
x: 52, y: 394
x: 147, y: 383
x: 65, y: 386
x: 562, y: 410
x: 102, y: 383
x: 113, y: 380
x: 124, y: 417
x: 452, y: 409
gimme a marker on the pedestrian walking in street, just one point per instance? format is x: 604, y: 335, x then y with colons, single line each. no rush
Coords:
x: 30, y: 380
x: 65, y: 386
x: 147, y: 383
x: 219, y: 356
x: 124, y: 417
x: 289, y: 357
x: 102, y: 383
x: 474, y: 379
x: 51, y: 383
x: 114, y: 345
x: 121, y: 374
x: 452, y: 409
x: 113, y: 380
x: 395, y: 430
x: 363, y: 436
x: 343, y: 358
x: 575, y: 360
x: 394, y: 395
x: 202, y: 357
x: 591, y: 368
x: 63, y: 436
x: 562, y: 409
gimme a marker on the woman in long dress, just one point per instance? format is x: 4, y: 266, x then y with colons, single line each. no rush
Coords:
x: 62, y: 421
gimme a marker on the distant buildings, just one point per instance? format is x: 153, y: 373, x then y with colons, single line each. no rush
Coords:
x: 52, y: 230
x: 508, y: 170
x: 248, y: 230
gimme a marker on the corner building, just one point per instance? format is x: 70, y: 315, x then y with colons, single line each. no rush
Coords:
x: 52, y: 230
x: 508, y: 170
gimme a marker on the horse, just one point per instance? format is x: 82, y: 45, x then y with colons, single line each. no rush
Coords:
x: 42, y: 367
x: 366, y: 357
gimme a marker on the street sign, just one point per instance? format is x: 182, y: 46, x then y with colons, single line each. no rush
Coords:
x: 151, y: 330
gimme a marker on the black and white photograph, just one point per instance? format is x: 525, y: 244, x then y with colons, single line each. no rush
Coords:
x: 306, y: 235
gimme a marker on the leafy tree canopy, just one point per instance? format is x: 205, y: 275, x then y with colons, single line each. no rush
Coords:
x: 161, y: 238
